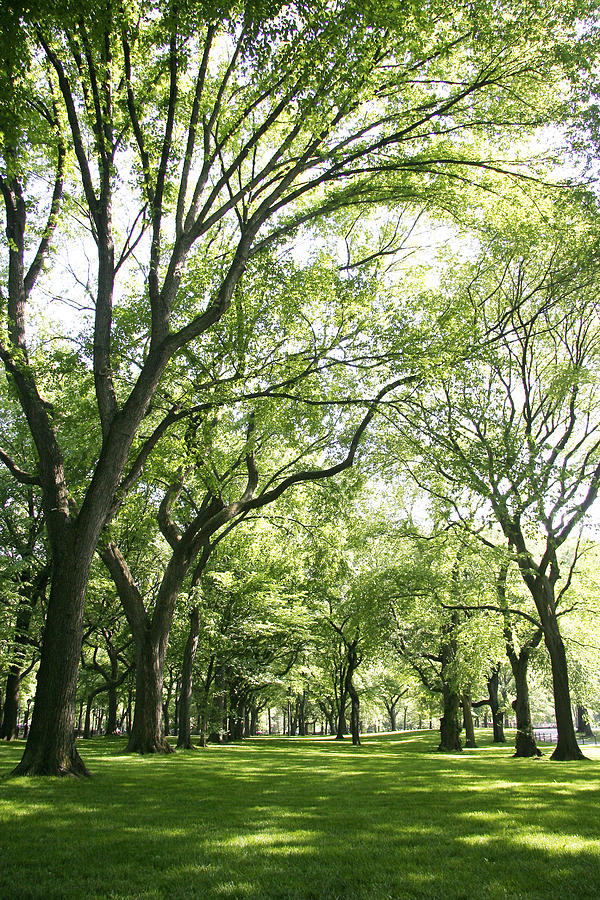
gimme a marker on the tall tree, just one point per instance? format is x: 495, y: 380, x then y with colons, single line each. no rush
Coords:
x: 210, y: 130
x: 517, y: 426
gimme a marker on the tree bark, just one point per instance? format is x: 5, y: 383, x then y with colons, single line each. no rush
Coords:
x: 449, y: 723
x: 468, y: 719
x: 354, y: 711
x: 497, y: 714
x: 541, y: 581
x: 184, y: 740
x: 50, y: 748
x: 567, y: 747
x: 341, y: 699
x: 111, y: 717
x: 8, y: 730
x: 583, y: 721
x: 525, y: 745
x: 147, y: 735
x: 391, y: 710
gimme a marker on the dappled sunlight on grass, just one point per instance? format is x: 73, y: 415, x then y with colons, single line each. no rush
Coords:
x: 314, y: 818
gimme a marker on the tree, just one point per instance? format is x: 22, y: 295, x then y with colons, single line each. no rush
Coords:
x: 517, y: 426
x: 448, y: 649
x: 182, y: 130
x: 24, y: 576
x: 520, y: 644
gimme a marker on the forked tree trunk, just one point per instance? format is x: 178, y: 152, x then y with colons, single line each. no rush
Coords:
x: 449, y: 723
x: 391, y: 711
x: 184, y: 739
x: 542, y: 588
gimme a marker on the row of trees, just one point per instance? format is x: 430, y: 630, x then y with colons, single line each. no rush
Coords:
x: 228, y: 185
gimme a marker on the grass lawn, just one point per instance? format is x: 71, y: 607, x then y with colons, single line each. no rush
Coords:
x: 270, y: 818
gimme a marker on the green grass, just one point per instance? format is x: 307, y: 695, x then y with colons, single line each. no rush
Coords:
x: 304, y: 819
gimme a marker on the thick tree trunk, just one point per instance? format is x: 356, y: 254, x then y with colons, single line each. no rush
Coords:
x: 147, y: 734
x: 8, y: 729
x: 449, y: 723
x: 111, y: 718
x: 50, y: 748
x: 583, y: 721
x: 468, y: 719
x: 567, y: 747
x: 525, y: 744
x: 184, y: 739
x: 236, y: 728
x: 301, y: 713
x: 542, y: 588
x: 391, y: 709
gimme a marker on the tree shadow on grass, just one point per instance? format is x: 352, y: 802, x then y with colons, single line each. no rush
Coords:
x: 307, y: 820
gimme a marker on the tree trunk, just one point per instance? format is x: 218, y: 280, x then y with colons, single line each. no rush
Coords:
x: 497, y: 714
x: 167, y: 703
x: 468, y: 719
x: 583, y: 721
x: 449, y: 723
x: 342, y: 725
x: 354, y: 711
x: 184, y: 740
x: 525, y: 745
x: 111, y: 719
x: 542, y: 588
x: 390, y: 706
x: 567, y: 747
x: 50, y: 748
x: 210, y: 677
x: 301, y: 713
x: 392, y: 715
x: 87, y: 728
x: 147, y: 734
x: 8, y: 730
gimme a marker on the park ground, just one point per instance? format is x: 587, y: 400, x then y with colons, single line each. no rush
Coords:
x: 304, y: 818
